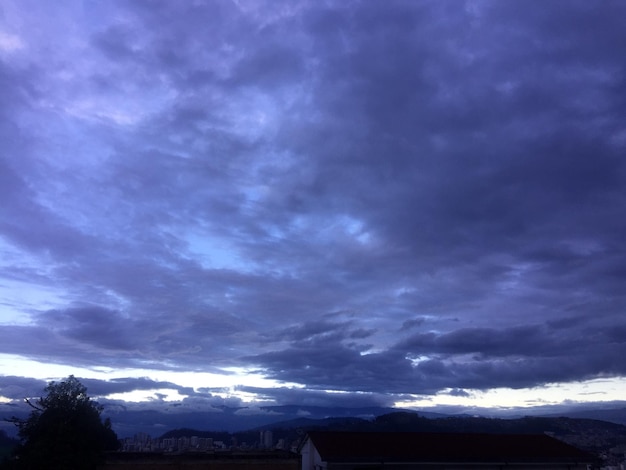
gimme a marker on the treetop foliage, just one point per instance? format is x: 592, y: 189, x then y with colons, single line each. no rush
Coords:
x: 64, y: 430
x: 69, y: 394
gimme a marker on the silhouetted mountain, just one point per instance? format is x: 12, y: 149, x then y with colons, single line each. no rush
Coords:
x: 320, y: 412
x: 231, y: 419
x: 129, y: 422
x: 335, y: 424
x: 617, y: 415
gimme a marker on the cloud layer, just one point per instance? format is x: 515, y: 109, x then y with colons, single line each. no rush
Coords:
x: 396, y: 198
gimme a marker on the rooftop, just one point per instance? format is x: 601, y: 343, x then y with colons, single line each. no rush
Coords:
x: 443, y: 447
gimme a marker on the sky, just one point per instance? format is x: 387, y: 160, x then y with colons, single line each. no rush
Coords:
x: 241, y: 203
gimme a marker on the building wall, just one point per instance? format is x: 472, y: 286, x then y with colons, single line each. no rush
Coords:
x: 241, y: 465
x: 444, y: 466
x: 311, y: 459
x: 198, y: 463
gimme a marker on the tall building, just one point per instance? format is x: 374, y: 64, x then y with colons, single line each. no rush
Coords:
x: 266, y: 439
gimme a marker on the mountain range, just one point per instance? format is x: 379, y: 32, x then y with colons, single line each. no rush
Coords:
x: 128, y: 421
x: 230, y: 419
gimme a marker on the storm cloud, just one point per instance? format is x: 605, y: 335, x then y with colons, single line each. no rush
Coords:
x: 384, y: 199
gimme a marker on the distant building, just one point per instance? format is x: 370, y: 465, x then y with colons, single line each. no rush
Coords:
x: 266, y: 439
x: 416, y: 451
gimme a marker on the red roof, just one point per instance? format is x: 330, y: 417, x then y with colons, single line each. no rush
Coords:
x: 443, y: 447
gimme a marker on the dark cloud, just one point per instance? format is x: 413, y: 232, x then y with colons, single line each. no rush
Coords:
x: 405, y: 198
x: 467, y: 358
x: 98, y: 327
x: 315, y: 331
x: 18, y: 388
x: 458, y: 392
x: 319, y: 398
x: 412, y: 323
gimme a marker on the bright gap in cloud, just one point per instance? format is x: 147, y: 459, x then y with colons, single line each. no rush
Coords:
x: 20, y: 297
x: 10, y: 42
x: 136, y: 396
x: 13, y: 365
x: 214, y: 252
x: 355, y: 229
x: 596, y: 390
x: 230, y: 379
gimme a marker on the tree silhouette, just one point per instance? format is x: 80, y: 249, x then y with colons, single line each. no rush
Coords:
x: 64, y: 430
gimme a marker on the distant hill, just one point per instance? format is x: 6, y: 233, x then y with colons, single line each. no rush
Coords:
x: 321, y: 412
x: 229, y: 419
x: 617, y: 415
x: 127, y: 422
x: 400, y: 421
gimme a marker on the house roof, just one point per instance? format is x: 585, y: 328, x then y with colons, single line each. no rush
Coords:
x: 443, y: 447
